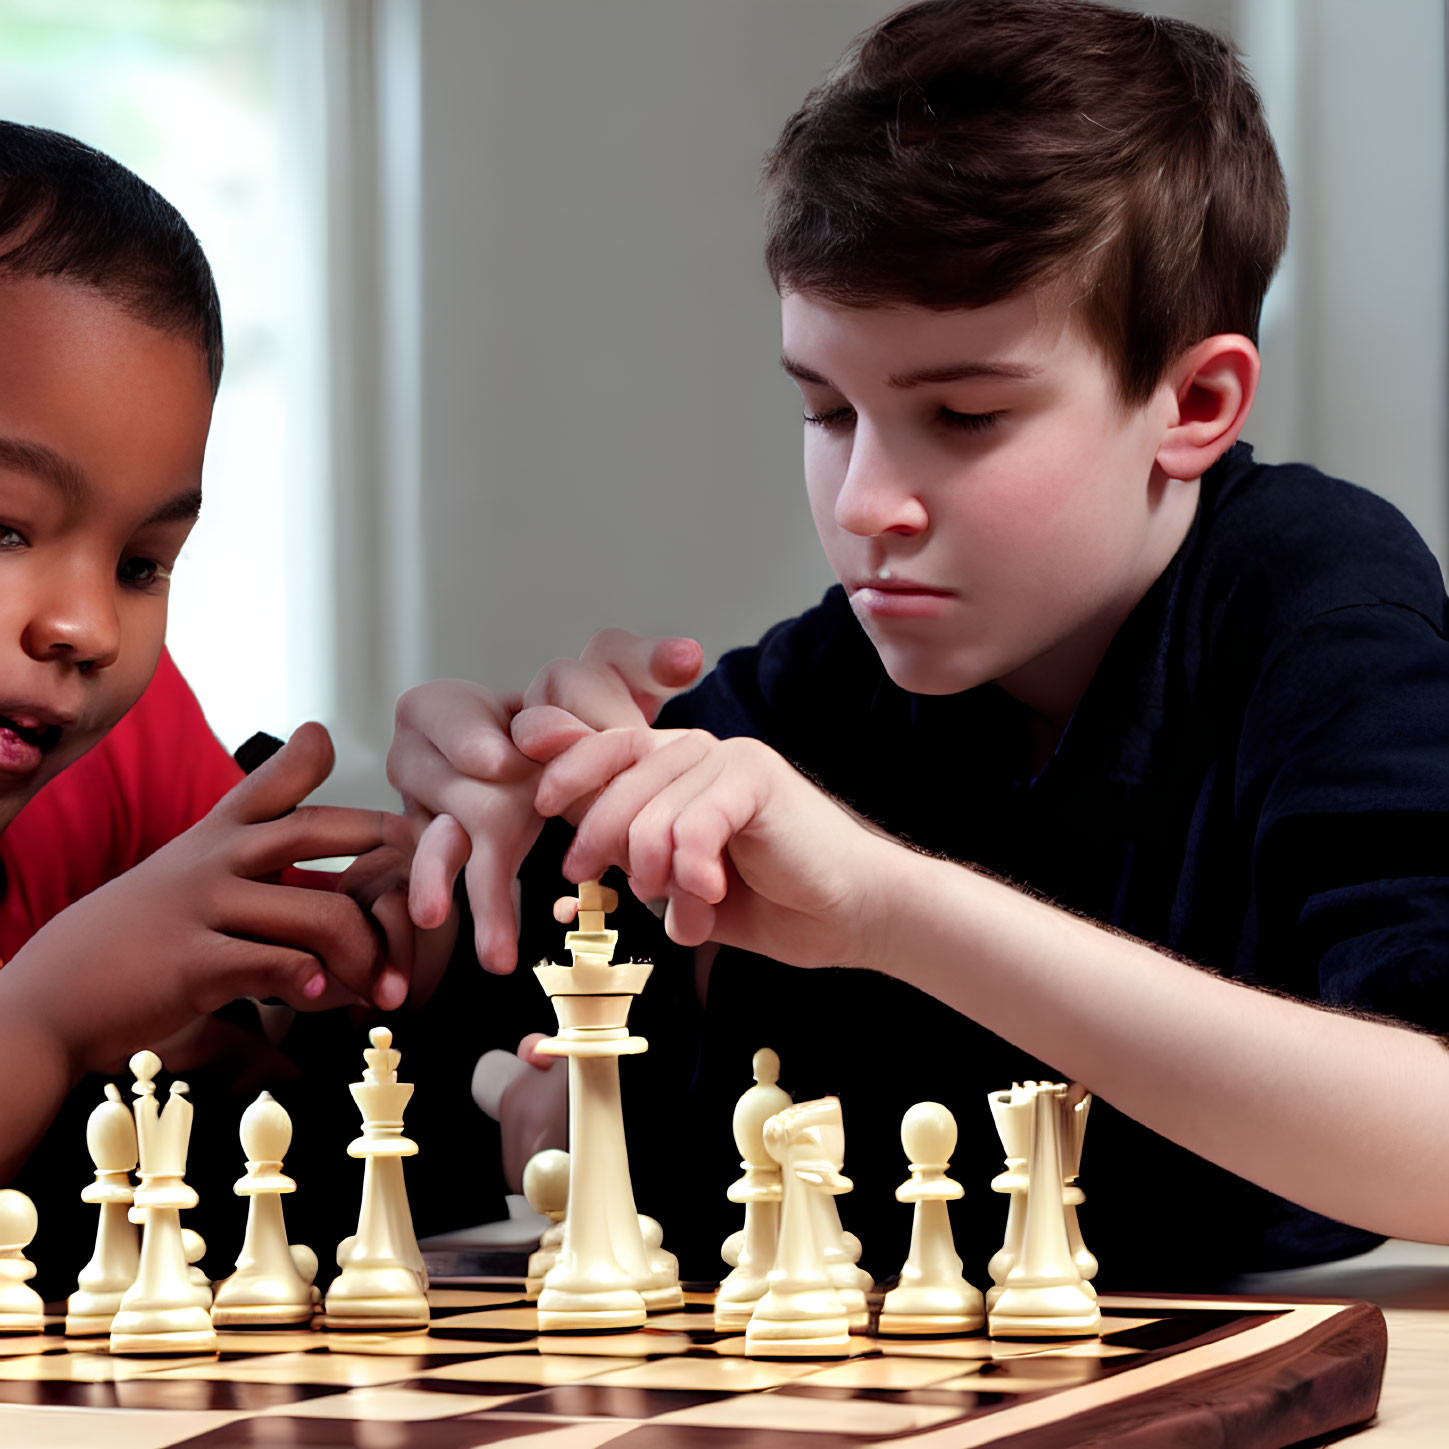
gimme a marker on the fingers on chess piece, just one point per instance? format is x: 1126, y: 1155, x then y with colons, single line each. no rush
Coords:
x: 546, y: 1188
x: 934, y: 1296
x: 161, y: 1311
x: 21, y: 1309
x: 382, y: 1283
x: 111, y: 1140
x: 802, y: 1314
x: 266, y: 1289
x: 750, y: 1252
x: 605, y: 1276
x: 1040, y: 1292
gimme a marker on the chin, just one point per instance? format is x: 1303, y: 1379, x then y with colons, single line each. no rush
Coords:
x: 931, y: 676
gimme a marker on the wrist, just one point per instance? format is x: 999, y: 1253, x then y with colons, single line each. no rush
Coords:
x: 34, y: 1016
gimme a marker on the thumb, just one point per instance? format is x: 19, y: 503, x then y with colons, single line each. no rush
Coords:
x: 284, y: 781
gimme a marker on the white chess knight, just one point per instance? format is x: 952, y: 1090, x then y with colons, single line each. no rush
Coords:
x: 933, y: 1296
x: 611, y: 1269
x: 160, y: 1311
x: 111, y: 1139
x: 266, y: 1287
x: 1040, y: 1291
x: 383, y: 1282
x: 546, y: 1187
x: 21, y: 1309
x: 751, y: 1252
x: 802, y: 1314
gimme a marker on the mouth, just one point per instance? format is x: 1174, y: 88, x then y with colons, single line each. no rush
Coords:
x: 900, y: 598
x: 25, y: 742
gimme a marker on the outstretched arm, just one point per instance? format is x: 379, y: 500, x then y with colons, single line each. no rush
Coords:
x: 1339, y: 1113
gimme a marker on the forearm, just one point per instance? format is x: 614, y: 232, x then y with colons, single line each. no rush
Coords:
x: 1342, y: 1115
x: 38, y: 1073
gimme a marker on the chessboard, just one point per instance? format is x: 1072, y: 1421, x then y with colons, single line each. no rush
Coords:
x: 1166, y: 1370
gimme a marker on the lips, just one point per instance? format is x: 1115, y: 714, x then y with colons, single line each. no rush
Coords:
x: 31, y: 732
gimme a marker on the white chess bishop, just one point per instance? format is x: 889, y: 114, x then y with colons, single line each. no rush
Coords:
x: 1040, y: 1290
x: 611, y: 1268
x: 383, y: 1282
x: 751, y: 1252
x: 933, y: 1296
x: 266, y: 1288
x: 160, y: 1311
x: 111, y: 1140
x: 21, y: 1308
x: 802, y: 1314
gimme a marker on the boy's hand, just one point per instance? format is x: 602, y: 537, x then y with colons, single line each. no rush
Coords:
x: 204, y: 920
x: 743, y: 848
x: 468, y: 791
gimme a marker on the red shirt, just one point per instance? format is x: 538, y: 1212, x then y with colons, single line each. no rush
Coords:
x: 156, y: 774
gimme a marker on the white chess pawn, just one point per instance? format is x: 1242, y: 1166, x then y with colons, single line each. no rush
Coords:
x: 751, y: 1252
x: 802, y: 1315
x: 266, y: 1288
x: 111, y: 1139
x: 933, y: 1296
x: 1043, y: 1295
x: 159, y: 1312
x: 194, y: 1246
x: 21, y: 1309
x: 546, y: 1187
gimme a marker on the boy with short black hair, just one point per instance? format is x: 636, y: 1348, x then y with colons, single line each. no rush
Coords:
x: 1083, y: 642
x: 127, y: 911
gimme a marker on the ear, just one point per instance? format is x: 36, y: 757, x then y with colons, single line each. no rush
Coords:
x: 1213, y: 385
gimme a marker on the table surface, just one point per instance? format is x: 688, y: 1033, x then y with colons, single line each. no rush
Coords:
x: 1410, y: 1282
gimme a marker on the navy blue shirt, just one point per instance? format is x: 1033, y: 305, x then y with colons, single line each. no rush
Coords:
x: 1257, y: 779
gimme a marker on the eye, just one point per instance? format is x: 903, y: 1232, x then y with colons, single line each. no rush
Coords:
x: 142, y: 573
x: 969, y: 422
x: 11, y: 538
x: 833, y: 419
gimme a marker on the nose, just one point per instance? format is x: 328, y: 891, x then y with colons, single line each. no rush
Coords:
x: 877, y: 495
x: 74, y: 619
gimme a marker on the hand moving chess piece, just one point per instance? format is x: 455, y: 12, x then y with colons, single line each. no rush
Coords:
x: 933, y: 1297
x: 546, y: 1186
x: 21, y: 1309
x: 266, y: 1288
x: 802, y: 1315
x: 1043, y: 1294
x: 605, y: 1276
x: 382, y: 1282
x: 760, y: 1191
x: 159, y: 1312
x: 111, y: 1139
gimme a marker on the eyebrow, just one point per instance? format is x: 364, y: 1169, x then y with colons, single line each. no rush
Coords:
x: 947, y: 372
x: 22, y: 456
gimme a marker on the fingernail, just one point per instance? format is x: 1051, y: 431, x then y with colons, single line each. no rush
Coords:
x: 314, y: 986
x: 392, y: 989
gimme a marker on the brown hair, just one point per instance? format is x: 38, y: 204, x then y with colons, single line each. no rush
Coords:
x: 966, y: 150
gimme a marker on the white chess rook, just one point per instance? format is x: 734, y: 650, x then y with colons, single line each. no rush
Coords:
x: 605, y: 1276
x: 751, y: 1252
x: 1043, y: 1295
x: 21, y: 1308
x: 802, y: 1315
x: 266, y: 1289
x: 111, y: 1138
x: 933, y: 1296
x: 159, y: 1312
x: 382, y: 1284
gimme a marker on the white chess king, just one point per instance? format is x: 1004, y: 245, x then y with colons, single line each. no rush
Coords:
x: 606, y: 1275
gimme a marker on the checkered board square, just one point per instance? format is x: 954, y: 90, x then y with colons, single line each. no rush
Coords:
x: 1258, y: 1375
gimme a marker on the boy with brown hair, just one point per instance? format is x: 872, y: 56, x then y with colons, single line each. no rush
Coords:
x: 1116, y: 755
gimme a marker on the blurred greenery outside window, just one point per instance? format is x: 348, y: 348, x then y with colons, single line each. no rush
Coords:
x: 216, y: 103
